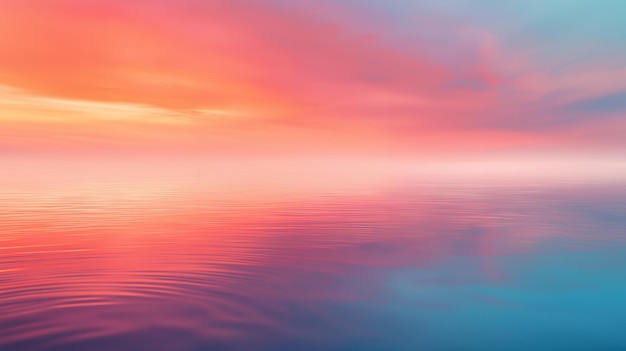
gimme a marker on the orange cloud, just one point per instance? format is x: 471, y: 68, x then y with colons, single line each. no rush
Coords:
x: 253, y: 75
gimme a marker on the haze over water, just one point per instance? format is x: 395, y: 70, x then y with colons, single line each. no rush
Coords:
x: 329, y: 261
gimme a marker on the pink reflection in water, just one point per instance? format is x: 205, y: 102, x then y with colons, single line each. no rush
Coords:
x: 181, y: 265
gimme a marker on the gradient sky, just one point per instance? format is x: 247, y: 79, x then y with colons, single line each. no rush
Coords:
x: 356, y: 77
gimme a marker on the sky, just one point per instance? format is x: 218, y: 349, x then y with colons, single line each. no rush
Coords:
x: 429, y: 78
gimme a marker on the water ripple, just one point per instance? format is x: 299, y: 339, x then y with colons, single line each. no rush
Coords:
x: 163, y: 267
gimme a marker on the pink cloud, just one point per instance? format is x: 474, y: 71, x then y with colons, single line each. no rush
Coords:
x: 311, y: 75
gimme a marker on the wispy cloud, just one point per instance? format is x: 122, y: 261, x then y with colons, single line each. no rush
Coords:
x: 395, y: 72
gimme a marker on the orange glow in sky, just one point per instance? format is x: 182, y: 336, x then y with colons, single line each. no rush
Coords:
x: 276, y: 77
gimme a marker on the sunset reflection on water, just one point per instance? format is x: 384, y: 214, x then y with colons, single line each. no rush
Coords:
x: 172, y: 264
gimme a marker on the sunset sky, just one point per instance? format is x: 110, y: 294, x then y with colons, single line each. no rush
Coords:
x: 327, y: 77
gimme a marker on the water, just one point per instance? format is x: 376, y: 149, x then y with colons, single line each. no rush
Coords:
x: 167, y: 264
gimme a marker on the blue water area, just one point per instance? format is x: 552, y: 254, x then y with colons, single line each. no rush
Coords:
x: 170, y: 265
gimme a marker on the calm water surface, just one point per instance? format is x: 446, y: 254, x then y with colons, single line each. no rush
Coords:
x: 181, y: 265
